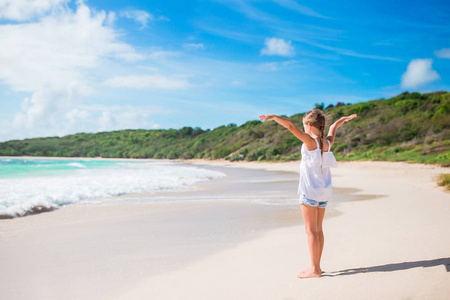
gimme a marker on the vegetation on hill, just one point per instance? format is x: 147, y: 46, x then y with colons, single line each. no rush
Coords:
x: 410, y: 127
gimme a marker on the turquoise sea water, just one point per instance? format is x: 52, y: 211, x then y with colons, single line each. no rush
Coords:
x: 28, y: 185
x: 17, y: 168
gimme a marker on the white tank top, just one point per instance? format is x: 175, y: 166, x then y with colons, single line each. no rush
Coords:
x: 315, y: 175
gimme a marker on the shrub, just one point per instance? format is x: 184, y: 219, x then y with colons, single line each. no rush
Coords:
x: 172, y: 155
x: 444, y: 180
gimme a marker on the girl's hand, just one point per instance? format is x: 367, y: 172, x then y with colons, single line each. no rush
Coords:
x: 350, y: 117
x: 267, y: 117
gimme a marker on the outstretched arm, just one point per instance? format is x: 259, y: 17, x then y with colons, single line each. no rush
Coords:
x: 304, y: 137
x: 336, y: 125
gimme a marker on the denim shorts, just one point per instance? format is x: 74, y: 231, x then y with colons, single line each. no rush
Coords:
x: 313, y: 203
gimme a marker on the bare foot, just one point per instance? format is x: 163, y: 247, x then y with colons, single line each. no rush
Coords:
x: 310, y: 273
x: 305, y: 271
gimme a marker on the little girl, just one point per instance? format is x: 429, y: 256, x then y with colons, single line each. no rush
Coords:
x: 315, y: 177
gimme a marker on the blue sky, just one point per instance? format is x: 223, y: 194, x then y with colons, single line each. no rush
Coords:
x: 89, y: 66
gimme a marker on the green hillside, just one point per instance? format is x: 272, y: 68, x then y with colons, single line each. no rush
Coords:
x: 409, y: 127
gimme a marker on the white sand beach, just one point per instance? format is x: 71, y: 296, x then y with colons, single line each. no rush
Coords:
x: 390, y: 240
x: 395, y: 246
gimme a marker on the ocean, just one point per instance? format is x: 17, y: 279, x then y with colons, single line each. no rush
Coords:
x: 29, y: 185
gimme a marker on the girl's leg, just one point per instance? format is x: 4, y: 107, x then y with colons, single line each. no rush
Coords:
x: 311, y: 219
x: 320, y: 215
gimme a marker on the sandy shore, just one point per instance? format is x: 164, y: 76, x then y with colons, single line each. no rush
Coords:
x: 395, y: 246
x: 94, y: 249
x: 389, y: 241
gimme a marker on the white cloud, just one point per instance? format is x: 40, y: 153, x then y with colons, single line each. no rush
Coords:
x: 276, y: 46
x: 139, y: 16
x: 78, y: 120
x: 158, y: 54
x: 293, y: 5
x: 35, y: 109
x: 22, y: 10
x: 275, y: 66
x: 53, y: 58
x: 63, y: 46
x: 146, y: 82
x: 223, y: 31
x: 419, y: 72
x: 77, y: 114
x: 110, y: 19
x: 50, y: 112
x: 193, y: 46
x: 148, y: 68
x: 46, y: 106
x: 265, y: 67
x: 443, y: 53
x: 106, y: 121
x: 84, y: 118
x: 125, y: 119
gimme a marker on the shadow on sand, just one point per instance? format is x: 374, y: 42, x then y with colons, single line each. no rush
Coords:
x: 393, y: 267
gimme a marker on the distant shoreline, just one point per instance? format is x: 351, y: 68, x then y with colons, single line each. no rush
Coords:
x: 219, y: 161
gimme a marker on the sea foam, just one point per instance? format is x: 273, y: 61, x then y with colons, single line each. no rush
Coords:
x: 27, y: 194
x: 76, y: 165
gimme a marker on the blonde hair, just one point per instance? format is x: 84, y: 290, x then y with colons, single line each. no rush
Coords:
x: 316, y: 118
